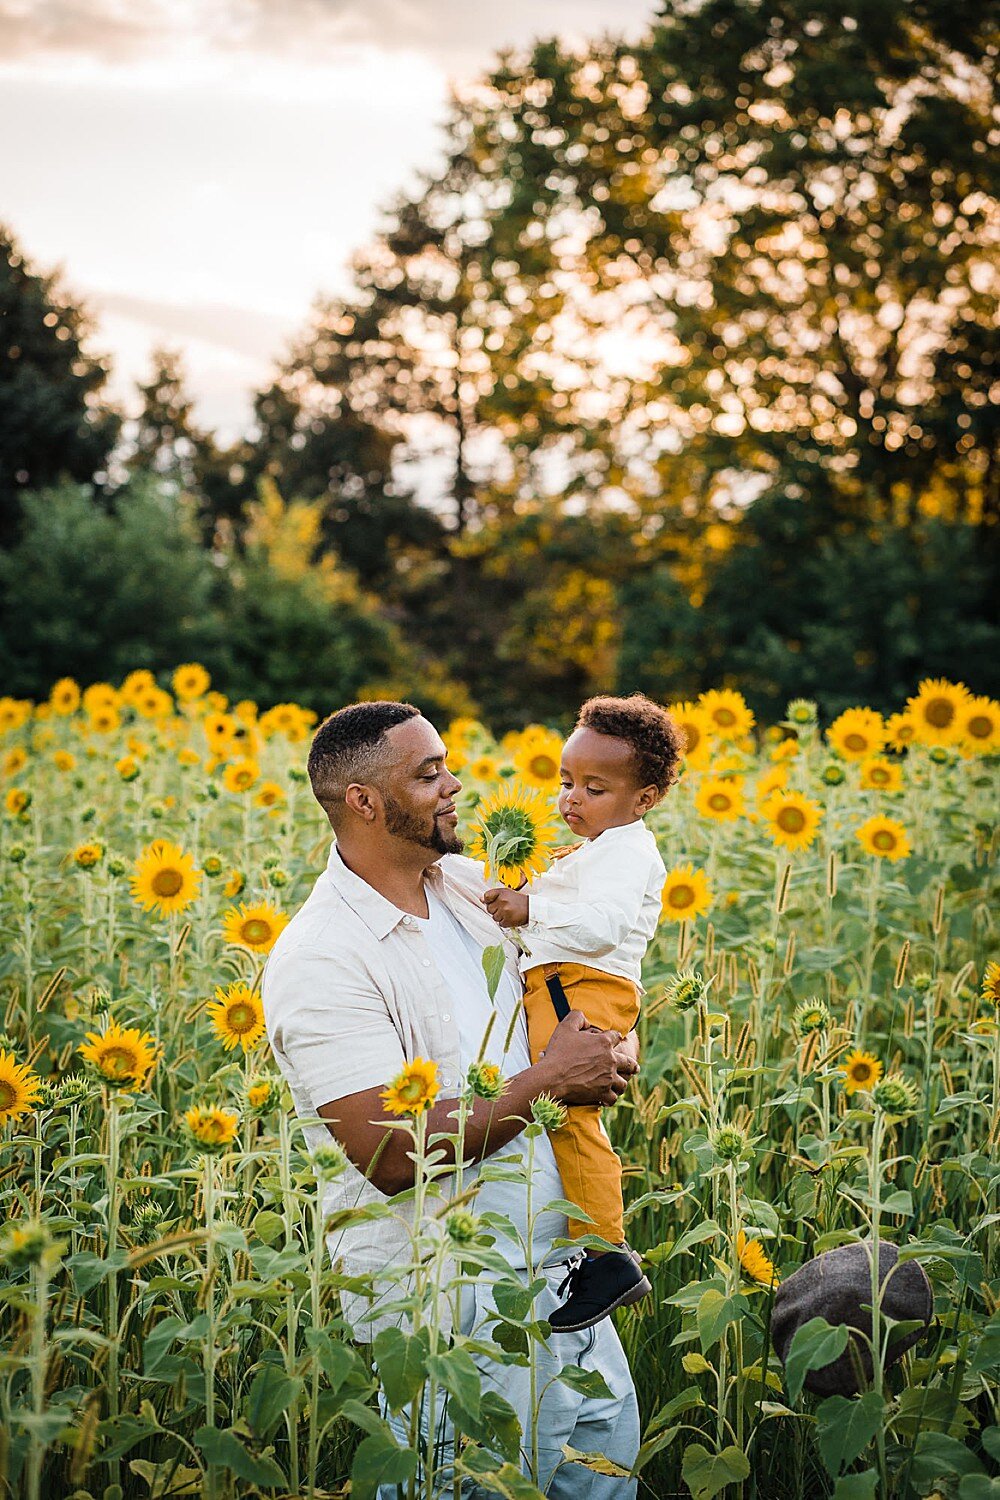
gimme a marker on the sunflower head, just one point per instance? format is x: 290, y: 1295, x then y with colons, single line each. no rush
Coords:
x: 685, y: 989
x: 881, y: 775
x: 86, y: 856
x: 65, y: 697
x: 20, y: 1087
x: 895, y: 1095
x: 164, y: 878
x: 514, y: 833
x: 938, y: 711
x: 811, y: 1015
x: 883, y: 837
x: 792, y: 820
x: 731, y: 1144
x: 548, y: 1112
x: 537, y: 762
x: 485, y: 1080
x: 255, y: 927
x: 191, y: 681
x: 754, y: 1261
x: 120, y: 1057
x: 862, y: 1071
x: 980, y: 725
x: 720, y: 799
x: 237, y: 1016
x: 686, y: 894
x: 211, y: 1129
x: 240, y: 776
x: 991, y: 984
x: 413, y: 1090
x: 728, y: 713
x: 857, y: 733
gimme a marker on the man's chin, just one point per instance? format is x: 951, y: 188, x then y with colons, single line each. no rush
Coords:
x: 447, y: 843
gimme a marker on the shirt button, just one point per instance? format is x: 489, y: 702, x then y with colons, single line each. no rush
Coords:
x: 426, y: 962
x: 407, y: 921
x: 446, y: 1017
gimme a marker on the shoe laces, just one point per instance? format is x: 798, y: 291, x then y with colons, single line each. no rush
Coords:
x: 574, y: 1265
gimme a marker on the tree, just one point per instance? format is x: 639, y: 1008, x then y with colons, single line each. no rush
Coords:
x: 52, y: 424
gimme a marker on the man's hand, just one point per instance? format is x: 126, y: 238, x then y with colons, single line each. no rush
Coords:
x: 508, y: 908
x: 586, y: 1065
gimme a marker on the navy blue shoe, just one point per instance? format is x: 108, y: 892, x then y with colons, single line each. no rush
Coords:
x: 597, y: 1284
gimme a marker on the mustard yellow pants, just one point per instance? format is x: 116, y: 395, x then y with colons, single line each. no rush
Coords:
x: 590, y: 1170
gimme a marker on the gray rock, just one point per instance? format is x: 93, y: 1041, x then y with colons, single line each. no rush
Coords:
x: 834, y: 1286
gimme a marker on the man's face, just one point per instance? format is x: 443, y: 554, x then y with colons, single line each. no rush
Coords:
x: 418, y: 790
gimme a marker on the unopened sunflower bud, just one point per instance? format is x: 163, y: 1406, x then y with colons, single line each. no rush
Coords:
x: 147, y: 1221
x: 296, y: 773
x: 277, y: 878
x: 17, y: 854
x: 116, y: 866
x: 801, y: 711
x: 548, y: 1112
x: 213, y: 864
x: 74, y: 1088
x: 730, y: 1144
x: 462, y: 1227
x: 895, y: 1095
x: 28, y: 1243
x: 922, y: 983
x: 485, y: 1080
x: 685, y: 990
x: 833, y: 774
x: 811, y: 1015
x: 330, y: 1161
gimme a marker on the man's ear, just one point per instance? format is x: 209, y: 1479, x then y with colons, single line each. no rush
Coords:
x: 363, y: 800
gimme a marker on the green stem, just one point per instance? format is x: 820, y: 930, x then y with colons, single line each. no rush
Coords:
x: 208, y: 1190
x: 111, y: 1323
x: 39, y: 1361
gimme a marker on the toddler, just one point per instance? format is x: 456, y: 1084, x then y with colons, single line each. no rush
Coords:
x: 587, y: 921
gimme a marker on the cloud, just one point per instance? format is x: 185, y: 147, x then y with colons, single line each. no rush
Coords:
x: 460, y: 35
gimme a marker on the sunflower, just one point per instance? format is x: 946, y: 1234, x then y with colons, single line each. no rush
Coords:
x: 793, y: 819
x: 64, y: 760
x: 722, y: 801
x: 65, y: 697
x: 484, y: 768
x: 240, y: 776
x: 135, y: 684
x: 979, y: 725
x: 104, y: 719
x: 697, y: 729
x: 211, y: 1128
x: 153, y: 703
x: 100, y: 695
x: 19, y: 1087
x: 938, y: 710
x: 86, y: 856
x: 122, y: 1057
x: 237, y: 1014
x: 13, y: 713
x: 413, y: 1090
x: 235, y: 884
x: 728, y: 713
x: 862, y: 1071
x: 537, y: 763
x: 754, y: 1261
x: 219, y: 729
x: 774, y: 780
x: 188, y: 757
x: 881, y: 775
x: 786, y: 750
x: 991, y: 984
x: 246, y: 711
x: 269, y: 794
x: 900, y: 731
x: 857, y: 733
x: 686, y: 894
x: 15, y: 760
x: 128, y: 767
x: 164, y: 877
x: 190, y: 681
x: 255, y: 927
x: 514, y: 833
x: 17, y: 801
x: 883, y: 837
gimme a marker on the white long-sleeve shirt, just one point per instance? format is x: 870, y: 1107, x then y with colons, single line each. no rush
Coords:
x: 599, y: 905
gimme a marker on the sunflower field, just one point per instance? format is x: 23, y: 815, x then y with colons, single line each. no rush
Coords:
x: 820, y: 1046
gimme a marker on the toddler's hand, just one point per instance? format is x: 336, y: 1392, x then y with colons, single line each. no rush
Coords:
x: 508, y: 908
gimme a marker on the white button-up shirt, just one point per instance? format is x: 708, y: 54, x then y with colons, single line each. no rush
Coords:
x: 598, y: 905
x: 350, y: 995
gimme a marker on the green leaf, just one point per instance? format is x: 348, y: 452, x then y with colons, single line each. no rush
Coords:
x: 696, y: 1364
x: 815, y: 1345
x: 402, y: 1365
x: 846, y: 1427
x: 271, y: 1394
x: 493, y: 963
x: 339, y: 1361
x: 990, y: 1438
x: 456, y: 1372
x: 706, y: 1474
x: 119, y: 1434
x: 682, y: 1402
x: 936, y: 1456
x: 929, y: 1409
x: 268, y: 1225
x: 861, y: 1486
x: 978, y: 1487
x: 221, y: 1446
x: 585, y: 1382
x: 696, y: 1235
x: 715, y: 1313
x: 89, y: 1269
x: 380, y: 1460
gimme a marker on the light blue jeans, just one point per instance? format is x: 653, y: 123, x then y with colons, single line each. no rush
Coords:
x: 590, y: 1424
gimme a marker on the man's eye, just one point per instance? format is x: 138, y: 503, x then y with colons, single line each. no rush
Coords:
x: 432, y: 777
x: 595, y: 791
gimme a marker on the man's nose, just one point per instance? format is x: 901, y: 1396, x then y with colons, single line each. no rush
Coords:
x: 456, y: 785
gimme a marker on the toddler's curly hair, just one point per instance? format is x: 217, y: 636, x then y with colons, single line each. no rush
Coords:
x: 657, y: 741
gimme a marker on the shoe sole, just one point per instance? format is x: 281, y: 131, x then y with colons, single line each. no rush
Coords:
x: 634, y: 1294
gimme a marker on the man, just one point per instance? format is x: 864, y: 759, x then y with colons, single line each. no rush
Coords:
x: 383, y: 964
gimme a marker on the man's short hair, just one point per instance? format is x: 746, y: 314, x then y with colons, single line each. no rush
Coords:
x: 657, y: 741
x: 349, y: 747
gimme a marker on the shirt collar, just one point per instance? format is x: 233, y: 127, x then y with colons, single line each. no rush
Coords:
x: 375, y: 910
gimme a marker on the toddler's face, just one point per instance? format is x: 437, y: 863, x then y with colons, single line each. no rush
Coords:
x: 599, y: 787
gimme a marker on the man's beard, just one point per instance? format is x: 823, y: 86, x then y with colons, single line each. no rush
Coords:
x: 406, y: 825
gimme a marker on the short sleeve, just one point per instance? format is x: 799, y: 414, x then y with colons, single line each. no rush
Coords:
x: 329, y: 1026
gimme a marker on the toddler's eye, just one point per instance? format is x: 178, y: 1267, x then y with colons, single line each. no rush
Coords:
x: 596, y: 791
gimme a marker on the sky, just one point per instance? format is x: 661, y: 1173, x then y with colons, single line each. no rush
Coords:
x: 199, y: 171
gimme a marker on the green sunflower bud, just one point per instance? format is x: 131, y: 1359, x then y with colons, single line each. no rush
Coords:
x: 731, y: 1144
x: 811, y: 1015
x: 462, y: 1227
x: 685, y: 989
x: 485, y: 1080
x: 548, y: 1112
x: 895, y: 1095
